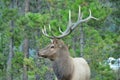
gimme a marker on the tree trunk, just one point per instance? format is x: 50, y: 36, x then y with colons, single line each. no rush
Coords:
x: 26, y: 45
x: 27, y: 5
x: 10, y: 56
x: 9, y: 61
x: 26, y: 55
x: 81, y: 41
x: 37, y: 76
x: 74, y: 40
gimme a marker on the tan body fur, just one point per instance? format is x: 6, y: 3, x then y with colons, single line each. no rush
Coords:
x: 81, y: 69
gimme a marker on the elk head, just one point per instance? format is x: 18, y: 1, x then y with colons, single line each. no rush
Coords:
x: 54, y: 50
x: 57, y: 47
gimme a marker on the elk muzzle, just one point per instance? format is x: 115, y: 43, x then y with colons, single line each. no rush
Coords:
x: 41, y: 54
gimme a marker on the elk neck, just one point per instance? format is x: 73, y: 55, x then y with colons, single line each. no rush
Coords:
x: 63, y: 66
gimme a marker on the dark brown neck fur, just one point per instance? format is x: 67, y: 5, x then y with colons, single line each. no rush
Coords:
x: 63, y: 67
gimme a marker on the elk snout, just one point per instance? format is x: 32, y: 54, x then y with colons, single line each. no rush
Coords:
x: 41, y: 54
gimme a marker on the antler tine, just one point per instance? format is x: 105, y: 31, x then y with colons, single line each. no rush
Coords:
x: 44, y: 30
x: 60, y: 30
x: 45, y: 33
x: 90, y: 16
x: 79, y: 14
x: 84, y: 20
x: 51, y: 31
x: 49, y: 27
x: 69, y: 23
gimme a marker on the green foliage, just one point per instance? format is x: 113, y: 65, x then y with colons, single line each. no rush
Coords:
x: 104, y: 73
x: 33, y: 20
x: 2, y: 61
x: 34, y: 69
x: 115, y: 11
x: 29, y: 62
x: 97, y: 49
x: 10, y: 13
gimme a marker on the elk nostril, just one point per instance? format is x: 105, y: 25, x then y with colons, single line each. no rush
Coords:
x: 40, y: 54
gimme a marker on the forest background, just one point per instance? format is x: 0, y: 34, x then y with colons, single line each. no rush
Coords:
x: 21, y: 22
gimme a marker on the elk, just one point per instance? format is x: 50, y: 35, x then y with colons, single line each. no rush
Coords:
x: 65, y: 67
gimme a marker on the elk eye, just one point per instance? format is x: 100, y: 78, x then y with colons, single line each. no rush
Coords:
x: 52, y: 46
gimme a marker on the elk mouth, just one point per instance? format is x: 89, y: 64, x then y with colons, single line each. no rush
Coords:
x: 51, y: 56
x: 52, y: 59
x: 44, y: 56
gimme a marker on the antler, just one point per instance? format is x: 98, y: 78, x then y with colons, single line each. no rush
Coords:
x: 71, y: 26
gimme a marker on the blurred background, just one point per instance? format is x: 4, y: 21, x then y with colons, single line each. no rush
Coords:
x: 21, y: 23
